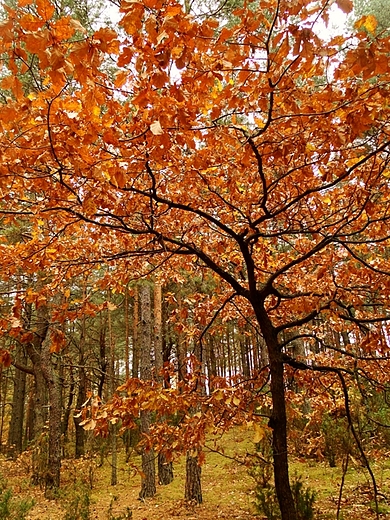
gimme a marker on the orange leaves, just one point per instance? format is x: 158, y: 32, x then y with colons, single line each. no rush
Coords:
x: 217, y: 412
x: 5, y: 358
x: 108, y: 39
x: 35, y: 41
x: 30, y: 22
x: 13, y: 84
x: 132, y: 20
x: 45, y: 9
x: 65, y: 28
x: 58, y: 340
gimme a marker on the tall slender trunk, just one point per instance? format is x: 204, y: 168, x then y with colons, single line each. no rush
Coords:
x: 80, y: 433
x: 81, y: 397
x: 127, y: 333
x: 113, y: 427
x: 3, y: 398
x: 15, y: 434
x: 52, y: 476
x: 278, y: 419
x: 39, y: 398
x: 157, y: 329
x: 164, y: 467
x: 136, y: 350
x: 148, y: 483
x: 68, y: 409
x: 102, y: 357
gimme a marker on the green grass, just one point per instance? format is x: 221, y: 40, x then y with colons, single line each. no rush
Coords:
x: 228, y: 489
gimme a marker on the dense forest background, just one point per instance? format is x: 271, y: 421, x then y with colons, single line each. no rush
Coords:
x: 195, y: 238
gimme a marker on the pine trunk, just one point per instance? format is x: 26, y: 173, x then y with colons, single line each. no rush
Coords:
x: 148, y: 482
x: 81, y: 398
x: 52, y: 474
x: 164, y: 467
x: 193, y: 489
x: 165, y: 470
x: 15, y: 434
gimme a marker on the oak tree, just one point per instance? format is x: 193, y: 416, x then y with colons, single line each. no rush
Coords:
x: 259, y: 151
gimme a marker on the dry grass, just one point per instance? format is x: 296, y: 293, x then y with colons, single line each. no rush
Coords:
x: 228, y: 490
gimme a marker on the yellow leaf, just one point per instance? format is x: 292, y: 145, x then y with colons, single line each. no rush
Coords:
x: 218, y: 394
x: 371, y: 23
x: 368, y: 22
x: 259, y: 433
x: 328, y: 200
x: 236, y: 401
x: 156, y: 128
x: 89, y: 424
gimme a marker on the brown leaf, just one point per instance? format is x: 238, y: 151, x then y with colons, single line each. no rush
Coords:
x: 345, y: 5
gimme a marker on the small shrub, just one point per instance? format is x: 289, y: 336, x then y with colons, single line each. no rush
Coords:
x: 267, y: 503
x: 77, y: 501
x: 11, y: 508
x: 304, y: 499
x: 126, y: 515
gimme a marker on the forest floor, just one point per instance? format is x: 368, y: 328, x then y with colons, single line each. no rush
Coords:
x: 228, y: 489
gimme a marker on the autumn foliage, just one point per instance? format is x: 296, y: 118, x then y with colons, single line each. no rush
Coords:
x: 257, y: 149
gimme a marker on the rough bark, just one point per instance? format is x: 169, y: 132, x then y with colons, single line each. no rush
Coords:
x: 165, y: 470
x: 135, y: 350
x: 193, y: 488
x: 102, y: 358
x: 164, y: 467
x: 67, y: 410
x: 148, y: 482
x: 52, y: 476
x: 127, y: 333
x: 39, y: 401
x: 113, y: 428
x: 81, y: 398
x: 15, y: 434
x: 80, y: 434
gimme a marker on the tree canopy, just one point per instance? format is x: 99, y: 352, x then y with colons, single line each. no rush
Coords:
x: 258, y: 151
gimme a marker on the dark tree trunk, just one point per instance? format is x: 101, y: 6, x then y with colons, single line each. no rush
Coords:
x: 15, y: 434
x: 278, y: 420
x: 81, y: 398
x: 112, y: 386
x: 135, y: 349
x: 165, y: 470
x: 82, y: 388
x: 37, y: 419
x: 103, y: 365
x: 148, y: 482
x: 52, y: 476
x: 67, y: 412
x: 164, y: 467
x: 193, y: 489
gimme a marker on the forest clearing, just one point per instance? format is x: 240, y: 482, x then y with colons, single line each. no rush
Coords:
x: 229, y: 490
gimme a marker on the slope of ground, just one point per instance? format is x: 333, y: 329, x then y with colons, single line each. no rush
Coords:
x: 228, y: 489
